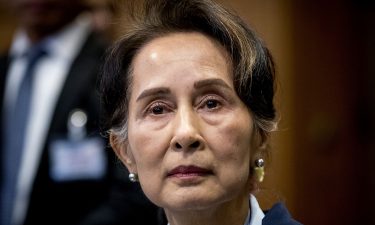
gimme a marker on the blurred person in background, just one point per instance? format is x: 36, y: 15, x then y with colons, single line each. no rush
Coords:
x: 55, y: 167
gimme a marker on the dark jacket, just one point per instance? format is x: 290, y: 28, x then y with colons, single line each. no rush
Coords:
x: 109, y: 200
x: 278, y: 215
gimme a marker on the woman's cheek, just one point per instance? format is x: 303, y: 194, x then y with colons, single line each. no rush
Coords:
x: 233, y: 140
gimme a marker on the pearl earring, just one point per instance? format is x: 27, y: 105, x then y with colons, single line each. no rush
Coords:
x: 133, y: 177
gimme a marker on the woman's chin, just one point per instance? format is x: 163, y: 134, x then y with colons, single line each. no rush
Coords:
x: 194, y: 201
x: 190, y: 205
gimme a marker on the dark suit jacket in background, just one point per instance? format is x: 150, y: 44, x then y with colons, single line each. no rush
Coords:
x: 111, y: 200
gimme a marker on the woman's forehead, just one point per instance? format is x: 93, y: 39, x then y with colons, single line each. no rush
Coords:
x: 182, y: 46
x: 178, y: 55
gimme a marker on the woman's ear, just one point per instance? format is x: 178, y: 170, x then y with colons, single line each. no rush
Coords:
x: 123, y: 152
x: 257, y: 144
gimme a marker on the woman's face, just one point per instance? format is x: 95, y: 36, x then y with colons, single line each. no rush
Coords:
x: 189, y: 134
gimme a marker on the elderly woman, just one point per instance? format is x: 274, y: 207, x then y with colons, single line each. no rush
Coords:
x: 188, y: 93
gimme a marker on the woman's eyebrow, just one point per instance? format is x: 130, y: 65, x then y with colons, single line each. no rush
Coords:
x: 211, y: 82
x: 153, y: 92
x: 197, y: 85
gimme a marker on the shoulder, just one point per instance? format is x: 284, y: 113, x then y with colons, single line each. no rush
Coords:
x: 4, y: 64
x: 96, y: 43
x: 278, y: 215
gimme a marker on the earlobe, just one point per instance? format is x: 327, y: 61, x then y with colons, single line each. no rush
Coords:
x: 123, y: 152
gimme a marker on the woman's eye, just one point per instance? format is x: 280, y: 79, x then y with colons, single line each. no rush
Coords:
x: 211, y: 104
x: 157, y: 109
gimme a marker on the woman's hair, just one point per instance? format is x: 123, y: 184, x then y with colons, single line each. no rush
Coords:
x: 253, y: 68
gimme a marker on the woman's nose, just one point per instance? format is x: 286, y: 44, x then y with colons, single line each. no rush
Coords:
x: 186, y: 132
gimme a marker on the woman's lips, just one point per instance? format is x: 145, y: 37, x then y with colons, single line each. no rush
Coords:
x: 188, y: 171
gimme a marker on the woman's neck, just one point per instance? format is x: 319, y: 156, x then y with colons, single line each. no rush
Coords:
x: 229, y: 213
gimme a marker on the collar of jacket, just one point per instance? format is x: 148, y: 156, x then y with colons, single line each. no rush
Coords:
x: 278, y: 215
